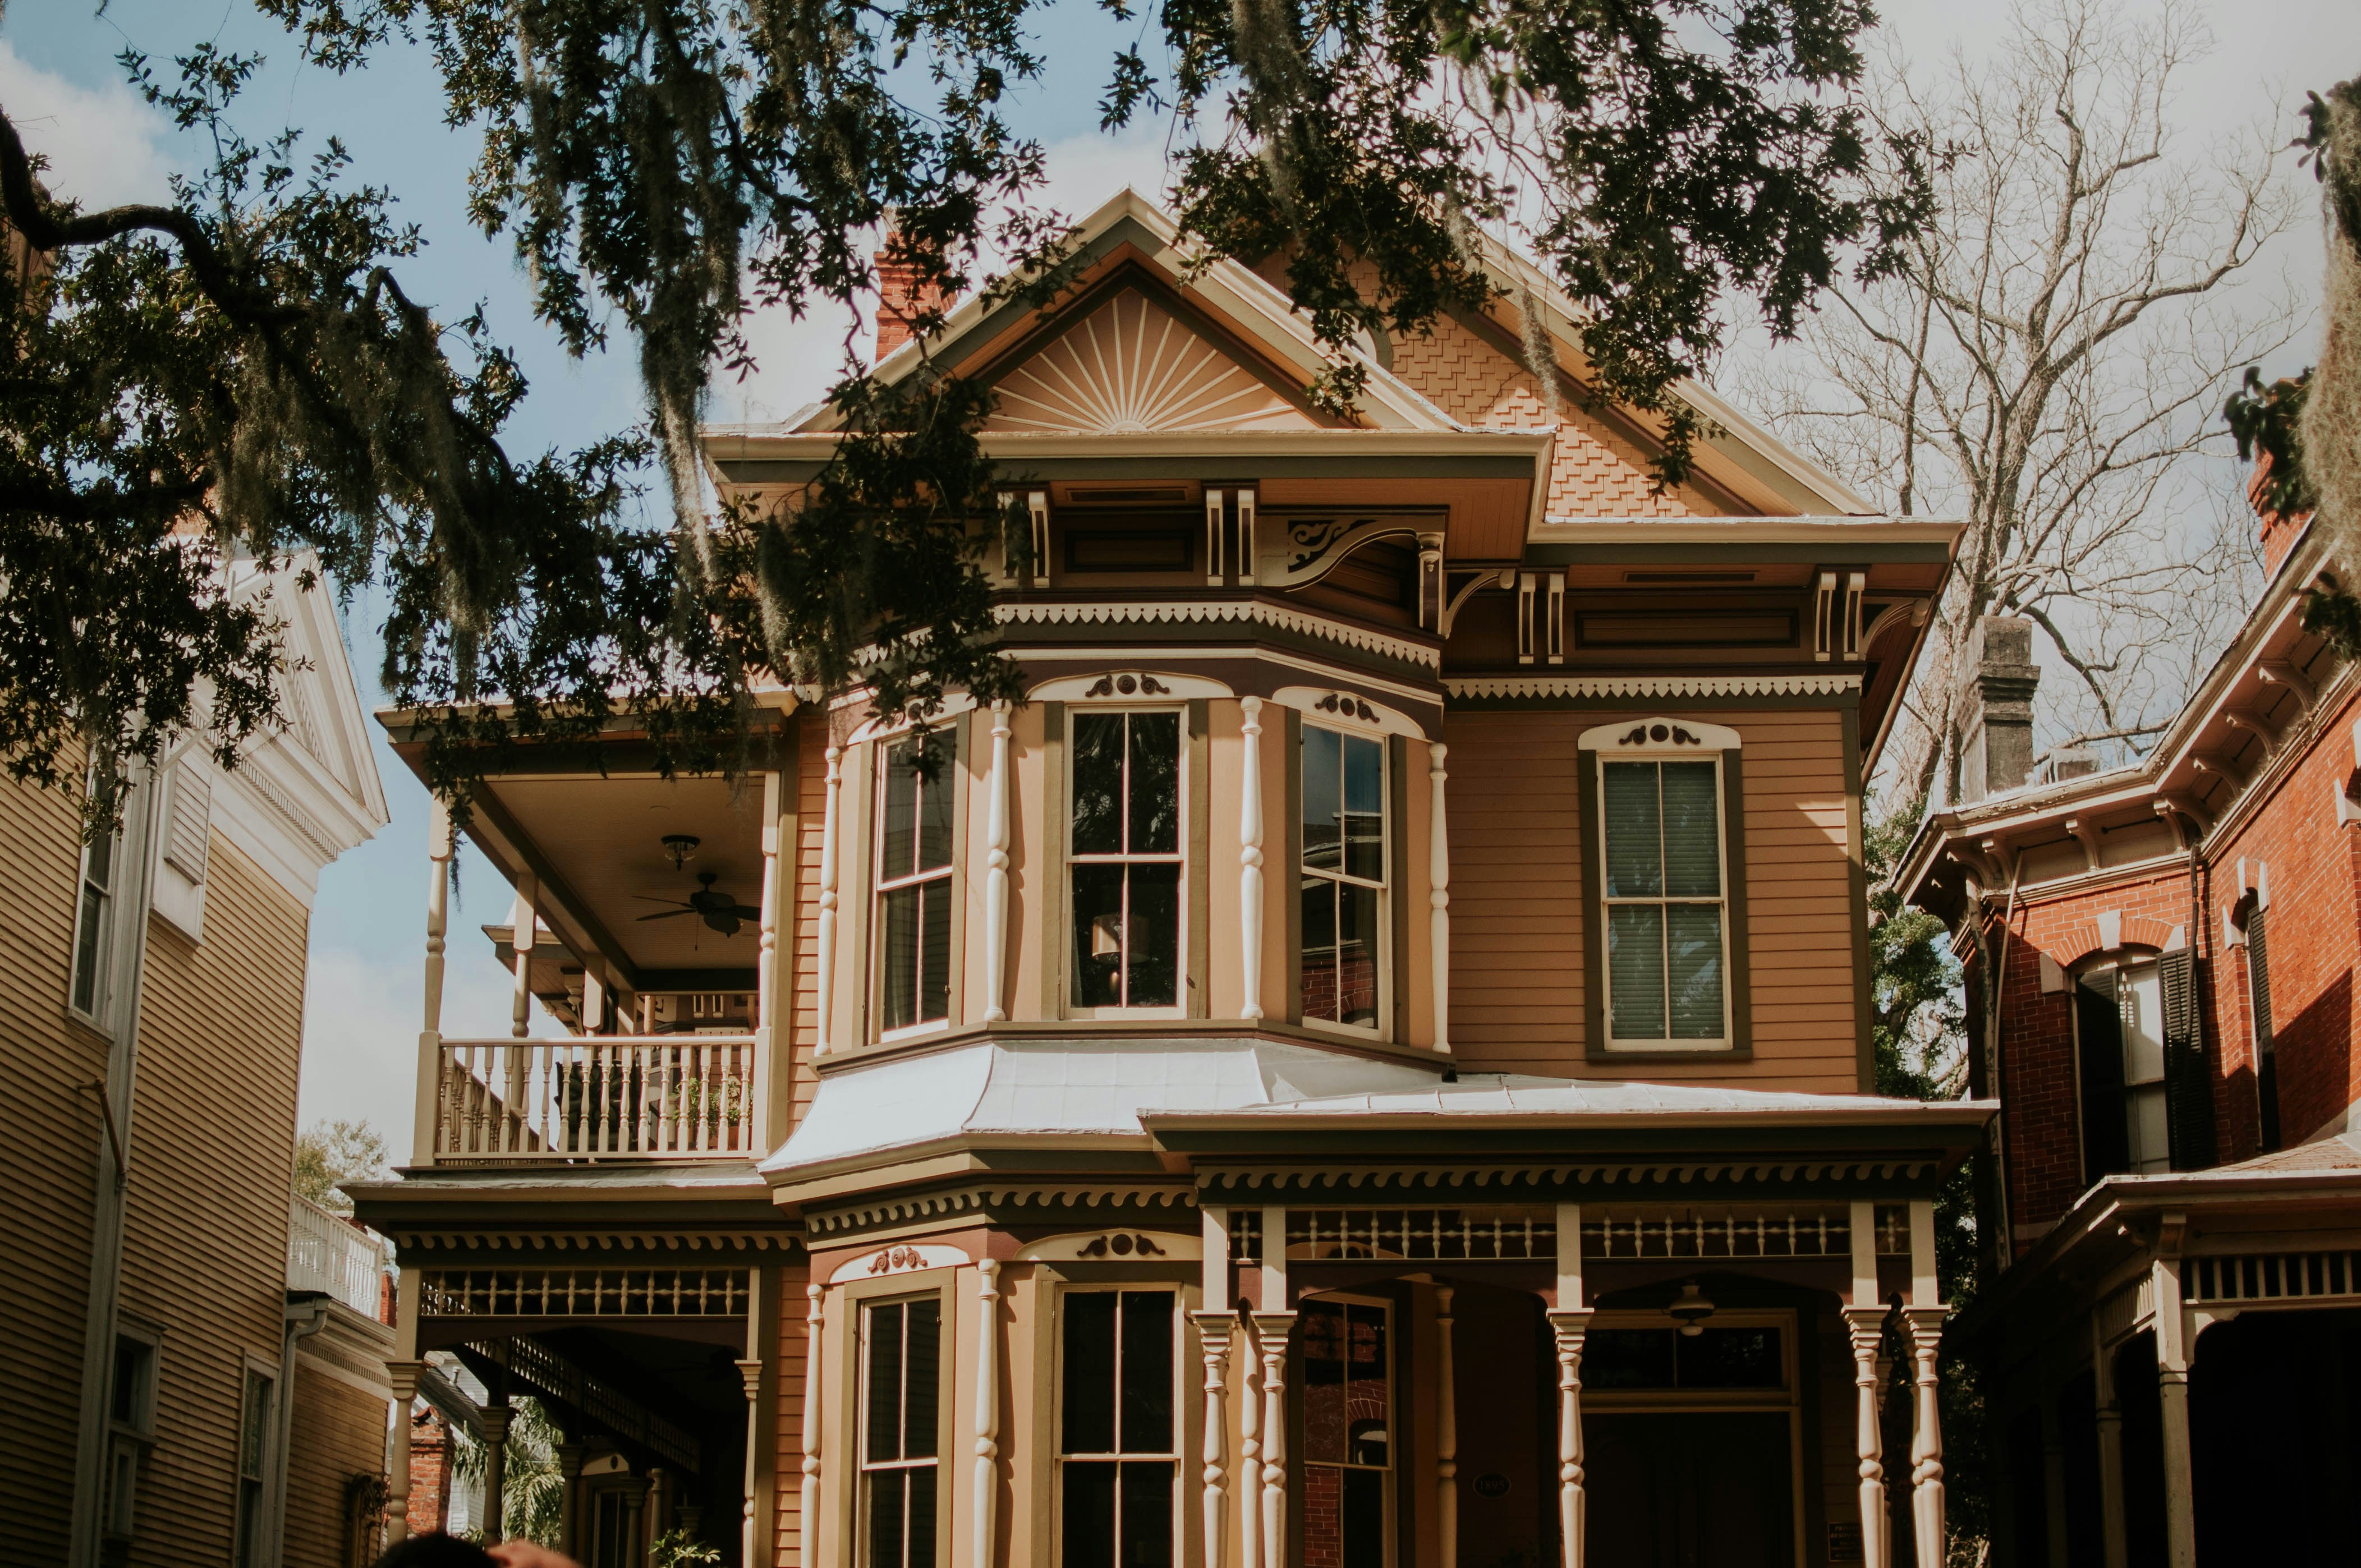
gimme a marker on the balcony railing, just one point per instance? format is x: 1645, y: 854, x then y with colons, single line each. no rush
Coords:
x: 328, y: 1253
x: 595, y: 1098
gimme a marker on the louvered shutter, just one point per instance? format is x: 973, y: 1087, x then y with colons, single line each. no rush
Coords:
x: 2188, y: 1086
x: 2267, y: 1074
x: 192, y: 818
x: 2098, y: 1020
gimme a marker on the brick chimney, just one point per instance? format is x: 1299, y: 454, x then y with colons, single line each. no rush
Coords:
x: 901, y: 297
x: 2280, y: 533
x: 1996, y: 707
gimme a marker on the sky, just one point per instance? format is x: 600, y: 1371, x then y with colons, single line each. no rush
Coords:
x: 61, y: 85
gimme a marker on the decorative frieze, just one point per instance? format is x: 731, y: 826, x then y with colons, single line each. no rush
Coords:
x: 1467, y: 687
x: 1248, y: 611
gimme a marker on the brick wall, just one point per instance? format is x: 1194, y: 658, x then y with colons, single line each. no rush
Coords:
x: 430, y: 1473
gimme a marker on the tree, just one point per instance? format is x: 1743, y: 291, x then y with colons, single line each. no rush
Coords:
x: 533, y: 1483
x: 2044, y: 363
x: 240, y: 372
x: 332, y: 1154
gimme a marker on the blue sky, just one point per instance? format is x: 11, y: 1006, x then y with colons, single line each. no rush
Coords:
x: 59, y: 83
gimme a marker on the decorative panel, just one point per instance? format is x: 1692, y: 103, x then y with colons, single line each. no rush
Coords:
x: 1131, y: 366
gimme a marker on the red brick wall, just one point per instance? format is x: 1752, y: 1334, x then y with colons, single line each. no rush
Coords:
x: 430, y: 1473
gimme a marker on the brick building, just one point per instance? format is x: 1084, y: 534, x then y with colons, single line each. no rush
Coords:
x: 2180, y: 1157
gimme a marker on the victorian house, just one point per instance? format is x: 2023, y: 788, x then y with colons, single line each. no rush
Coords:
x: 2171, y: 1326
x: 1367, y: 1063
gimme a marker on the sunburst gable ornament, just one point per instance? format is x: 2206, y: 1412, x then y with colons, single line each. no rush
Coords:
x: 1130, y: 367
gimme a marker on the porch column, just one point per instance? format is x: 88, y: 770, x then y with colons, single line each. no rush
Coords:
x: 496, y: 1462
x: 427, y: 1120
x: 1865, y: 1321
x: 750, y: 1377
x: 569, y: 1498
x: 1216, y: 1322
x: 525, y: 921
x: 2113, y: 1552
x: 824, y: 983
x: 814, y: 1320
x: 987, y: 1408
x: 404, y: 1376
x: 2173, y: 1385
x: 770, y: 998
x: 996, y: 876
x: 1446, y: 1434
x: 1925, y: 1315
x: 1251, y: 869
x: 1274, y: 1329
x: 1251, y: 1453
x: 1438, y: 879
x: 1570, y: 1323
x: 635, y: 1497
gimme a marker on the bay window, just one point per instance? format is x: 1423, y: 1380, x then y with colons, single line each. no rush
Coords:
x: 1117, y: 1447
x: 1125, y: 862
x: 1343, y: 878
x: 901, y: 1368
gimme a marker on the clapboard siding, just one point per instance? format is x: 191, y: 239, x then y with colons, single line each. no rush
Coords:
x: 51, y: 1140
x: 787, y: 1418
x: 338, y: 1436
x: 811, y: 813
x: 205, y: 1236
x: 1517, y: 983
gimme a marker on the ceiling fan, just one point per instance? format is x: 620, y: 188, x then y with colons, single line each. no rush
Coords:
x: 718, y: 910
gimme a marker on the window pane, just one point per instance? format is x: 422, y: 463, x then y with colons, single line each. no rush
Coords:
x: 1089, y: 1357
x: 901, y: 812
x: 1152, y: 933
x: 2141, y: 996
x: 902, y: 920
x: 935, y: 951
x: 1635, y: 971
x: 886, y: 1382
x: 1369, y: 1433
x: 1692, y: 831
x: 1364, y: 1518
x: 1730, y: 1358
x: 102, y: 862
x: 1696, y: 959
x: 1098, y: 784
x: 1098, y: 935
x: 1323, y: 806
x: 1320, y: 988
x: 889, y: 1515
x: 922, y: 1516
x: 1634, y: 869
x: 1155, y: 783
x: 937, y: 788
x: 86, y: 946
x: 1324, y: 1417
x: 923, y: 1379
x: 1090, y: 1514
x: 1146, y: 1530
x: 1628, y: 1358
x: 1146, y: 1372
x: 1357, y: 954
x: 1364, y: 807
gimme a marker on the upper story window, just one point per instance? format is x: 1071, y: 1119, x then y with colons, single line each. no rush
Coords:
x: 1118, y: 1457
x: 901, y: 1378
x: 94, y: 926
x: 1667, y: 894
x: 914, y: 882
x: 1125, y: 862
x: 2143, y: 1078
x: 1343, y: 880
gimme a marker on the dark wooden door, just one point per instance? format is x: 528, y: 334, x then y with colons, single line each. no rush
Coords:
x: 1690, y: 1490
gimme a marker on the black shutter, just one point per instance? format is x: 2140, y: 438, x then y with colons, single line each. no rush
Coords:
x: 2106, y: 1136
x: 2267, y: 1073
x: 2188, y: 1086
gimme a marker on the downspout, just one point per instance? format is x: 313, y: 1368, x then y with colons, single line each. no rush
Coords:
x: 114, y: 1173
x: 305, y: 1319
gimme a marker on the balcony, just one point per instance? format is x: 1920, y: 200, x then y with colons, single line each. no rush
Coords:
x: 593, y: 1098
x: 329, y: 1254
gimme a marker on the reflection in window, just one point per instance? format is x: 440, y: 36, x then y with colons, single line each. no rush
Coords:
x: 1348, y: 1421
x: 1665, y: 1358
x: 1661, y: 830
x: 1117, y: 1458
x: 1343, y: 875
x: 914, y: 882
x: 901, y: 1372
x: 1127, y: 861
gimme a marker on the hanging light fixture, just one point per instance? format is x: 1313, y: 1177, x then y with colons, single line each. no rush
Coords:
x: 1691, y: 1310
x: 681, y: 847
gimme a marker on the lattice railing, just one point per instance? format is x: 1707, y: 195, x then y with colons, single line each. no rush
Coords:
x: 595, y: 1098
x: 1509, y: 1233
x: 583, y: 1292
x: 2271, y: 1277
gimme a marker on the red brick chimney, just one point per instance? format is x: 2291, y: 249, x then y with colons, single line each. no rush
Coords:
x: 2280, y: 533
x: 901, y: 297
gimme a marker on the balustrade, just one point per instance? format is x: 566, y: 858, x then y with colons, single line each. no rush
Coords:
x: 595, y: 1098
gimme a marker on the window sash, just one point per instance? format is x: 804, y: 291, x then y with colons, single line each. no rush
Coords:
x: 1137, y: 986
x: 916, y: 822
x: 1104, y: 1490
x: 1674, y: 885
x: 900, y: 1488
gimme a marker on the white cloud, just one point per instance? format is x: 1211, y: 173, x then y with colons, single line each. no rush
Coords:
x: 103, y: 143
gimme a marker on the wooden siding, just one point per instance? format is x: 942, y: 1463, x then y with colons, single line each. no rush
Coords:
x: 1517, y: 981
x: 787, y: 1421
x: 810, y: 785
x: 52, y: 1139
x: 339, y: 1433
x: 205, y: 1237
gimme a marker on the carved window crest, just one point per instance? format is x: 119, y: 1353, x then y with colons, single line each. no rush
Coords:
x: 1127, y: 685
x: 1659, y: 733
x: 1347, y: 705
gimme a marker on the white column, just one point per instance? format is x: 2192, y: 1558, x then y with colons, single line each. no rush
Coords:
x: 770, y: 1036
x: 750, y: 1375
x: 426, y: 1126
x: 1213, y: 1331
x: 1438, y: 879
x: 1250, y: 1451
x: 1569, y: 1325
x: 996, y: 876
x: 1925, y: 1316
x: 987, y: 1411
x: 525, y: 921
x: 824, y: 983
x: 1273, y: 1328
x: 495, y: 1421
x: 1250, y: 867
x: 1446, y: 1435
x: 814, y: 1320
x: 2172, y: 1388
x: 404, y: 1376
x: 1865, y: 1319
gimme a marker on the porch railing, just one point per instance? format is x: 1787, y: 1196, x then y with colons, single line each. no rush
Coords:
x: 327, y: 1253
x: 595, y: 1098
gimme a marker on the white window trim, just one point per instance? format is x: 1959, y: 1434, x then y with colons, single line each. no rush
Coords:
x: 879, y: 885
x: 1181, y: 1472
x: 1607, y: 901
x: 1382, y: 1028
x: 257, y: 1551
x: 139, y: 1433
x: 1180, y: 1006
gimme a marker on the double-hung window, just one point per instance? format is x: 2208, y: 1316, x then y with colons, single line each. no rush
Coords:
x: 900, y: 1373
x: 1126, y: 861
x: 1666, y: 903
x: 1348, y: 1427
x: 93, y: 925
x: 1343, y: 878
x: 131, y: 1428
x: 253, y: 1460
x: 1117, y: 1451
x: 914, y: 884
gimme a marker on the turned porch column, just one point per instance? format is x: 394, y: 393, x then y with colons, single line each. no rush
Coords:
x: 1570, y: 1325
x: 750, y: 1377
x: 1251, y: 866
x: 1273, y: 1328
x: 569, y: 1497
x: 404, y: 1376
x: 495, y: 1417
x: 427, y: 1121
x: 987, y: 1411
x: 1438, y: 878
x: 1865, y: 1322
x: 1216, y: 1323
x: 2114, y: 1553
x: 814, y: 1321
x: 996, y: 876
x: 1446, y: 1434
x: 824, y: 983
x: 1250, y: 1450
x: 1925, y: 1316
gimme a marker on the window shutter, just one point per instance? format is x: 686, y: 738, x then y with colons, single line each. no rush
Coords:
x: 2188, y: 1089
x: 192, y: 811
x: 2267, y: 1070
x: 2106, y: 1140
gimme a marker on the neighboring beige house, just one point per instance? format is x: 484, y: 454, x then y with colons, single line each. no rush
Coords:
x: 151, y: 994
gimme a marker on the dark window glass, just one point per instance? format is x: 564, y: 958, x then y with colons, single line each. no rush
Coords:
x: 1090, y: 1513
x: 914, y: 882
x: 901, y: 1372
x: 1155, y: 784
x: 1098, y: 784
x: 1090, y: 1371
x: 1343, y: 881
x: 1126, y: 873
x: 1347, y: 1405
x: 1628, y: 1358
x: 1116, y: 1353
x: 1147, y: 1403
x: 1729, y: 1358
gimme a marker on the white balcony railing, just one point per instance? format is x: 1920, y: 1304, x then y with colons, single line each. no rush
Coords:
x: 328, y: 1253
x: 593, y: 1098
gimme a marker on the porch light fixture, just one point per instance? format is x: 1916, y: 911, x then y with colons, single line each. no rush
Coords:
x: 681, y: 847
x: 1691, y: 1310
